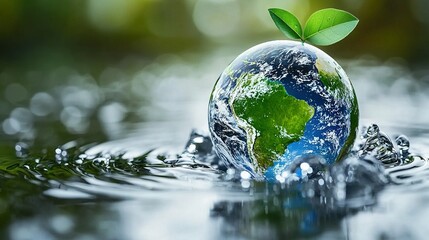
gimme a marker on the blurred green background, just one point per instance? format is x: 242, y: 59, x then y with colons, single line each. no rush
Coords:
x: 84, y: 68
x: 75, y: 32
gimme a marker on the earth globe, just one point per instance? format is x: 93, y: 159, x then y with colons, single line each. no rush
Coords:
x: 281, y: 101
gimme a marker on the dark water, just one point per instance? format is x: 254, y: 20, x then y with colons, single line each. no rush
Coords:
x: 113, y: 156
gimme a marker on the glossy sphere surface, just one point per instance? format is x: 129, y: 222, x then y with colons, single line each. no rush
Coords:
x: 280, y: 101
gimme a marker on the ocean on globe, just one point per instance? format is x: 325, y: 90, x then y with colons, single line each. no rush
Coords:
x: 278, y: 102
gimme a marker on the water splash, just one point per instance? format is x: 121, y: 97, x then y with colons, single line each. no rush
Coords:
x: 381, y: 146
x: 307, y: 194
x: 400, y: 165
x: 375, y: 161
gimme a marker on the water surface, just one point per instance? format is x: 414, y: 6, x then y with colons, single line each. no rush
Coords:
x: 115, y: 156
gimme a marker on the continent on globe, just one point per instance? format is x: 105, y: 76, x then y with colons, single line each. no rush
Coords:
x: 280, y: 101
x: 278, y: 118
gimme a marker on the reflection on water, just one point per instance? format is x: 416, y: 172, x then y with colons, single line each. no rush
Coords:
x: 148, y: 178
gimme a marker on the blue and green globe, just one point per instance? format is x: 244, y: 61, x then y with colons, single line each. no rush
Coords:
x: 281, y: 101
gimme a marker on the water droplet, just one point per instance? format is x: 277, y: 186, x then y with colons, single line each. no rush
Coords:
x: 191, y: 148
x: 21, y: 149
x: 310, y: 193
x: 340, y: 193
x: 245, y: 184
x: 199, y: 143
x: 379, y: 145
x: 198, y: 140
x: 61, y: 155
x: 230, y: 171
x: 403, y: 145
x: 245, y: 175
x: 305, y: 167
x: 58, y: 151
x: 372, y: 130
x: 101, y: 160
x: 230, y: 174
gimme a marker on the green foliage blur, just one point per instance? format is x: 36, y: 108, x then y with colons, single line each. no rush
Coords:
x: 68, y: 31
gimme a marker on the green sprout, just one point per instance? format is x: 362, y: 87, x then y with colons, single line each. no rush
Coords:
x: 324, y: 27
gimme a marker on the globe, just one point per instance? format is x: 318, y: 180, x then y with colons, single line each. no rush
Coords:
x: 278, y: 102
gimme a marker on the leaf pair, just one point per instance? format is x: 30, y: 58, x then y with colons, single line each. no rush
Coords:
x: 324, y: 27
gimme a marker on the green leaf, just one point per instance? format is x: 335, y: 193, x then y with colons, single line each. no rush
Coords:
x: 286, y: 22
x: 328, y: 26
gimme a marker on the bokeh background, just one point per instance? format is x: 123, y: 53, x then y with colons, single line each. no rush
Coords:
x: 70, y: 31
x: 82, y: 68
